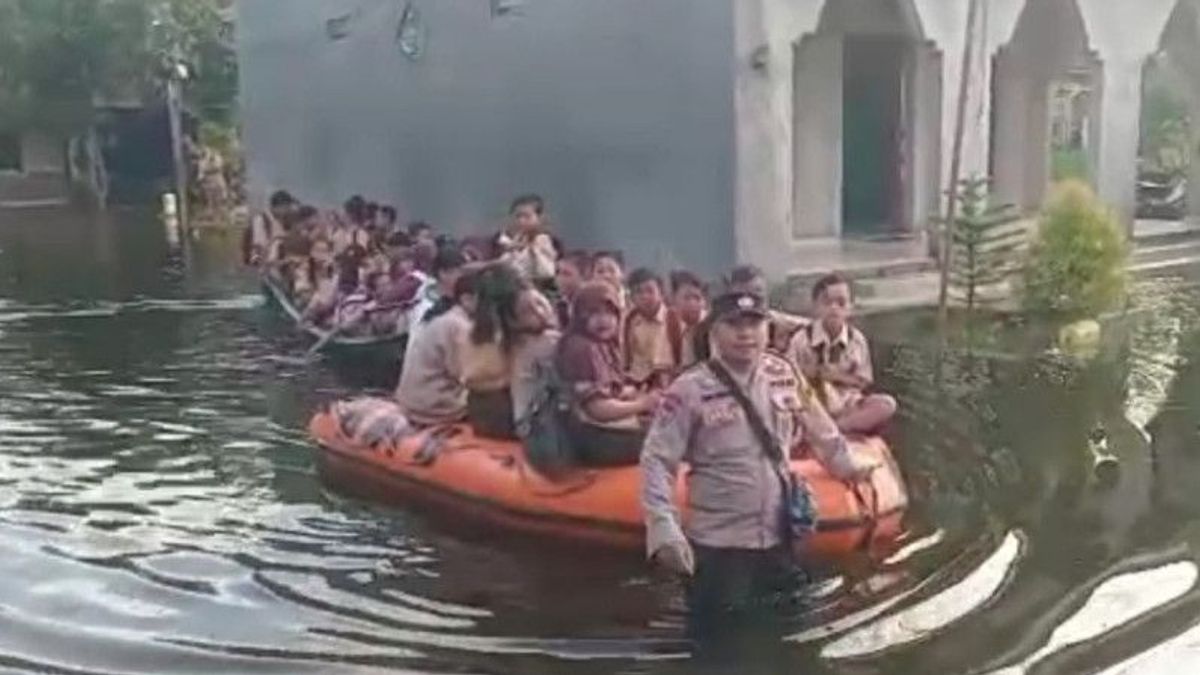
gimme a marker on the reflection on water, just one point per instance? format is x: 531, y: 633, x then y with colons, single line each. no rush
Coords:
x: 922, y: 620
x: 159, y: 508
x: 1117, y: 601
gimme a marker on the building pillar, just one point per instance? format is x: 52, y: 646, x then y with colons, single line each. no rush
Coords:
x: 1012, y: 110
x: 1121, y: 101
x: 1124, y: 35
x: 818, y: 137
x: 1194, y: 158
x: 925, y: 146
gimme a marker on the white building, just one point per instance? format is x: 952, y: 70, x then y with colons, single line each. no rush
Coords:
x: 697, y: 132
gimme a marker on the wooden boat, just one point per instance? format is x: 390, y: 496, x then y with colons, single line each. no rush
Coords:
x: 492, y: 482
x: 389, y: 347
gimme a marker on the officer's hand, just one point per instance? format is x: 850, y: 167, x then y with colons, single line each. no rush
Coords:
x: 676, y: 558
x: 849, y: 466
x: 861, y: 469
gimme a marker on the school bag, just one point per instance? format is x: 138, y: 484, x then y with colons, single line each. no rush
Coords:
x: 544, y: 429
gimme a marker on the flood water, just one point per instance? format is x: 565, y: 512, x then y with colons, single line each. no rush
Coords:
x: 160, y: 509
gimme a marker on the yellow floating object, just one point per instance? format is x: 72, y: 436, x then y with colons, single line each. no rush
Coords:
x: 1080, y: 339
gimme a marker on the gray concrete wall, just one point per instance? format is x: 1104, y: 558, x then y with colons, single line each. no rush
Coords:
x: 789, y: 128
x: 620, y: 112
x: 765, y: 117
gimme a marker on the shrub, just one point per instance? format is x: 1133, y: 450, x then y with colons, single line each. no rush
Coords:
x: 1077, y: 266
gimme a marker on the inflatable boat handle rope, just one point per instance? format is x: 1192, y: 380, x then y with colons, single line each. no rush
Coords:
x: 871, y: 510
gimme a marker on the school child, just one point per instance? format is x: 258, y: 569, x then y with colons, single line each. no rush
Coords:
x: 653, y: 337
x: 608, y: 413
x: 572, y: 271
x: 689, y: 300
x: 609, y: 267
x: 420, y: 232
x: 431, y: 389
x: 527, y: 243
x: 266, y: 227
x: 835, y: 357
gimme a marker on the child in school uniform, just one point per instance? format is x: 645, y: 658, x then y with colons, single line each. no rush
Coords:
x: 653, y: 332
x: 835, y: 357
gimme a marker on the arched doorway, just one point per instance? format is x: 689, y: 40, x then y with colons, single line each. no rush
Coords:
x: 1046, y: 94
x: 867, y: 122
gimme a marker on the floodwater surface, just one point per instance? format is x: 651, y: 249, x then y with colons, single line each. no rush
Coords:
x: 161, y: 511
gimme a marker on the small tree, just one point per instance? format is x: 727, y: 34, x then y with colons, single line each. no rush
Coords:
x: 1077, y: 267
x: 986, y: 244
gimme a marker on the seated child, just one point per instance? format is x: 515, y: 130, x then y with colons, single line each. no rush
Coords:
x: 689, y: 300
x: 385, y: 314
x: 291, y: 255
x: 287, y: 231
x: 609, y: 267
x: 510, y: 352
x: 527, y: 244
x: 265, y: 227
x: 303, y: 282
x: 350, y: 315
x: 420, y: 232
x: 438, y: 270
x: 349, y: 229
x: 386, y: 223
x: 533, y: 342
x: 836, y: 359
x: 377, y: 262
x: 608, y: 414
x: 323, y: 303
x: 307, y: 221
x: 653, y: 338
x: 431, y: 389
x: 570, y: 273
x: 486, y: 368
x: 398, y: 244
x: 321, y: 251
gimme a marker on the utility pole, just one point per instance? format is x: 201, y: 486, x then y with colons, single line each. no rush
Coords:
x: 960, y: 123
x: 176, y: 75
x: 165, y: 33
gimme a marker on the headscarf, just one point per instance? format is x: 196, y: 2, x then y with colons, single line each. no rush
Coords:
x: 591, y: 298
x: 581, y: 357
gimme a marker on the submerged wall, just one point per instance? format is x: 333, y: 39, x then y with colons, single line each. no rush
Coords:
x: 620, y: 112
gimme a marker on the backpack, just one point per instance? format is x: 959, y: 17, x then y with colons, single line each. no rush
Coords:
x: 545, y: 429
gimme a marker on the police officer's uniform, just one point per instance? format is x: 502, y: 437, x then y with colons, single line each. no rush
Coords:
x: 736, y: 499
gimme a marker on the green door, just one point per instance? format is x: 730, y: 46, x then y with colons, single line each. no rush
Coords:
x: 871, y: 98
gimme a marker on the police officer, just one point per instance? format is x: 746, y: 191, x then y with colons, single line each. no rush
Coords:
x: 732, y: 548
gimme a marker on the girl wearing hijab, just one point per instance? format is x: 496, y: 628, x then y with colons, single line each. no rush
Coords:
x: 608, y: 412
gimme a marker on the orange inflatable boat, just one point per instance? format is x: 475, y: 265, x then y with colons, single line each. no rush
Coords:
x: 491, y: 480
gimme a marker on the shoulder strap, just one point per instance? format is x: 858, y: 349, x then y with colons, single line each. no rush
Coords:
x: 770, y: 445
x: 822, y: 356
